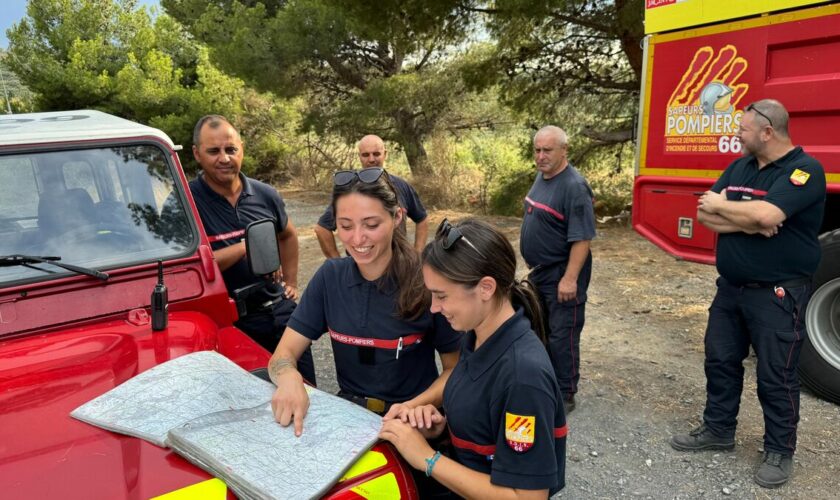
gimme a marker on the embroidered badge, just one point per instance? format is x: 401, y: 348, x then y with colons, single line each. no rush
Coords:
x: 519, y: 432
x: 799, y: 177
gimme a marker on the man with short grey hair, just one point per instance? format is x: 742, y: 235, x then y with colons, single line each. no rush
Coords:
x: 557, y: 228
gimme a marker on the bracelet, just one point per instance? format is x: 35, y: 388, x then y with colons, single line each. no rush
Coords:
x: 430, y: 463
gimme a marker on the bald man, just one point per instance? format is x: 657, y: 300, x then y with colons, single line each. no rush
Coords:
x: 557, y: 228
x: 372, y: 153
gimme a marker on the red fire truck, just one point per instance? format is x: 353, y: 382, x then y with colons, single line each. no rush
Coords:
x: 705, y: 61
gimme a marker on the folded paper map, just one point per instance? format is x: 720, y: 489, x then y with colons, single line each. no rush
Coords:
x: 218, y: 416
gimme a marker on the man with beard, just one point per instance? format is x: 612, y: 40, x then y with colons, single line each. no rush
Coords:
x: 767, y: 208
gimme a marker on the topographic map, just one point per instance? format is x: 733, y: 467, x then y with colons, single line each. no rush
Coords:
x: 218, y: 416
x: 173, y: 393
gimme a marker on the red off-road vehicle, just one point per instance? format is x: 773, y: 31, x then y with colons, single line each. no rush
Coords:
x: 89, y: 203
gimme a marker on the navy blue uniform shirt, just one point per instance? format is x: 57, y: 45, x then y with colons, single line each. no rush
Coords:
x: 406, y: 195
x: 339, y: 300
x: 225, y: 226
x: 504, y: 409
x: 558, y: 212
x: 795, y: 251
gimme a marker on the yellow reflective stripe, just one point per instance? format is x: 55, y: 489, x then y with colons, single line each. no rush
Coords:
x: 681, y: 172
x: 369, y: 461
x: 382, y: 487
x: 206, y: 490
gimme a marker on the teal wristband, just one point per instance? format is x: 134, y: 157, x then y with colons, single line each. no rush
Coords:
x: 430, y: 463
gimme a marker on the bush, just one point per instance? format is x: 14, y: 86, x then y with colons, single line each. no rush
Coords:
x: 610, y: 175
x: 510, y: 193
x: 473, y: 171
x: 453, y: 185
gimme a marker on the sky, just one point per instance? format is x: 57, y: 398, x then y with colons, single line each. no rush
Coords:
x: 12, y: 11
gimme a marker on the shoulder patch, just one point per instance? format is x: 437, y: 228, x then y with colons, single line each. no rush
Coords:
x: 519, y: 432
x: 799, y: 177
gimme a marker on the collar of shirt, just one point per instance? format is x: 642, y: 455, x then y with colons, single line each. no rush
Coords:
x: 247, y: 189
x: 353, y: 277
x: 559, y: 174
x: 478, y: 362
x: 781, y: 162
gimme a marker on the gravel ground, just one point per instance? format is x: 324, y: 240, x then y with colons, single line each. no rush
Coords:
x: 642, y: 380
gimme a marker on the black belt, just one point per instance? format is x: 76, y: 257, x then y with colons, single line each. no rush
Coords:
x: 249, y: 306
x: 377, y: 406
x: 784, y: 284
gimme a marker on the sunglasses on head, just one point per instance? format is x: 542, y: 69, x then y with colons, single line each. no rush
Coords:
x: 366, y: 175
x: 752, y: 107
x: 449, y: 235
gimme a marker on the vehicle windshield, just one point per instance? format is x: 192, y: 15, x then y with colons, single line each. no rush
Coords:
x: 97, y: 208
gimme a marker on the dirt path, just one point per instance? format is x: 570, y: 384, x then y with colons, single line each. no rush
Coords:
x: 642, y: 380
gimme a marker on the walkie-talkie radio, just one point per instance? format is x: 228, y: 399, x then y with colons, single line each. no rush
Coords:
x: 160, y: 303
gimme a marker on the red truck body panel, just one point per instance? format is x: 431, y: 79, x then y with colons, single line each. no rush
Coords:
x: 687, y: 133
x: 45, y: 452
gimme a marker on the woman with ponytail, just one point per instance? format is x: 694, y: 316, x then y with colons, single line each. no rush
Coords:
x: 373, y: 305
x: 504, y: 411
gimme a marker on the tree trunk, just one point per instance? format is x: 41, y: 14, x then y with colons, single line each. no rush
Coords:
x: 630, y: 32
x: 418, y: 160
x: 411, y: 138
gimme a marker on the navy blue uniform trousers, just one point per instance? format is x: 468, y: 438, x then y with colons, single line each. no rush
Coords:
x: 563, y: 322
x: 740, y: 317
x: 266, y: 328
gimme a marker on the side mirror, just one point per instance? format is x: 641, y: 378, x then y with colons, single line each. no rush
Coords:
x: 261, y: 247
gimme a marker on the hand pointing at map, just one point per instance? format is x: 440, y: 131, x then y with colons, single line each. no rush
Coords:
x: 290, y: 401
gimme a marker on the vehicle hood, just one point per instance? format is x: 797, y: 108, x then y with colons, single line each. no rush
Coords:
x: 44, y: 453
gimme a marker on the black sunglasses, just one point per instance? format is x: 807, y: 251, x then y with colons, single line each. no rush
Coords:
x: 752, y: 107
x: 449, y: 235
x: 366, y: 175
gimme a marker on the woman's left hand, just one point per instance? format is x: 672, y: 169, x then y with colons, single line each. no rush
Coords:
x: 408, y: 441
x: 400, y: 411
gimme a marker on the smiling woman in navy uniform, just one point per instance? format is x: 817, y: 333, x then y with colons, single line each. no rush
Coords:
x: 374, y: 307
x: 503, y: 404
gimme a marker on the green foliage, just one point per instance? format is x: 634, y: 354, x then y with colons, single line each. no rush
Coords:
x: 502, y: 167
x: 14, y: 95
x: 455, y: 181
x: 610, y: 175
x: 407, y: 70
x: 509, y: 195
x: 365, y: 67
x: 112, y: 56
x: 474, y: 171
x: 575, y: 63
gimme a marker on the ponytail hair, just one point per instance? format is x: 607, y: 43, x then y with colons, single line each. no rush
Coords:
x: 524, y: 294
x: 404, y: 272
x: 485, y: 252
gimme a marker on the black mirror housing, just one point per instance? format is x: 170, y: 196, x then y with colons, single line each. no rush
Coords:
x: 261, y: 247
